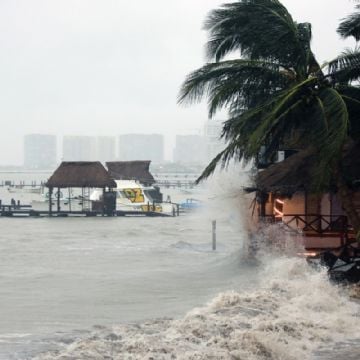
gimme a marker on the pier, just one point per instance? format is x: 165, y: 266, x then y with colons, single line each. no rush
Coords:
x: 9, y: 210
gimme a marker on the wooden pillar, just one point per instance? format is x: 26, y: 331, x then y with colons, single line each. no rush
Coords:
x: 50, y: 200
x: 262, y: 199
x: 104, y: 204
x: 58, y: 199
x: 69, y: 190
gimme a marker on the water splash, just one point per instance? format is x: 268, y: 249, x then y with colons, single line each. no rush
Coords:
x: 293, y: 312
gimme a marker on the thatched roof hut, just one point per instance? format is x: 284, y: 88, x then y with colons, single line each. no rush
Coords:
x: 131, y: 170
x: 297, y: 171
x: 80, y: 174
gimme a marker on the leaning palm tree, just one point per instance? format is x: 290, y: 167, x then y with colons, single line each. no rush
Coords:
x: 275, y: 91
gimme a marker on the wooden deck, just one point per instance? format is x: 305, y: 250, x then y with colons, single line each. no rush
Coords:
x: 27, y: 211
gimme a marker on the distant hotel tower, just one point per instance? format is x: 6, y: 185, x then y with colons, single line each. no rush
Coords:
x: 39, y: 151
x: 141, y: 147
x: 190, y: 149
x: 89, y: 148
x: 79, y: 148
x: 105, y: 148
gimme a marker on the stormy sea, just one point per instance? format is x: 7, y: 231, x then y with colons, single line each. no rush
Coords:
x: 153, y: 288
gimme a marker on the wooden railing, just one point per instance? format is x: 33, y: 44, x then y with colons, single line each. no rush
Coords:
x: 316, y: 225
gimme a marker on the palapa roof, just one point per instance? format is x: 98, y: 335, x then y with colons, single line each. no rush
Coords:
x: 288, y: 176
x: 81, y: 174
x: 131, y: 170
x: 296, y: 172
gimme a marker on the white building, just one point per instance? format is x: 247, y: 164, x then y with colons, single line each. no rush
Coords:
x: 213, y: 143
x: 105, y: 148
x: 141, y: 147
x: 79, y: 148
x: 40, y: 151
x: 190, y: 149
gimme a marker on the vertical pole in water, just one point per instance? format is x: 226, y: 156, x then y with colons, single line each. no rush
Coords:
x: 58, y: 199
x: 214, y: 234
x: 69, y: 189
x: 50, y: 200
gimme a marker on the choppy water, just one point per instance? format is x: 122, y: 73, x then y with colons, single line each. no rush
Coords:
x: 138, y: 288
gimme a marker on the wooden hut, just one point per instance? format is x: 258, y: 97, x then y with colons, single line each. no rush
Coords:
x: 131, y: 170
x: 284, y: 193
x: 79, y: 174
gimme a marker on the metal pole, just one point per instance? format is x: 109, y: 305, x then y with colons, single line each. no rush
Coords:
x: 214, y: 234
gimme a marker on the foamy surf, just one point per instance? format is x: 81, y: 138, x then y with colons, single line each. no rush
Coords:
x: 293, y: 313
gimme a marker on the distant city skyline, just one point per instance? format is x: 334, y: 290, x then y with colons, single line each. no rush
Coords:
x: 196, y: 148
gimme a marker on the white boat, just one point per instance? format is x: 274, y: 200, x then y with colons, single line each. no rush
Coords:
x: 131, y: 195
x: 21, y: 189
x: 68, y: 202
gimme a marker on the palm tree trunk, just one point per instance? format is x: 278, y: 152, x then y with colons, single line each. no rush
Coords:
x: 346, y: 197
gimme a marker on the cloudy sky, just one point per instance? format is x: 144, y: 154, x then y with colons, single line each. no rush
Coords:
x: 110, y: 67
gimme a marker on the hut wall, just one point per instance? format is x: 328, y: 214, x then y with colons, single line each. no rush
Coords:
x: 336, y: 208
x: 295, y: 205
x: 313, y: 210
x: 269, y: 206
x: 326, y: 204
x: 325, y: 209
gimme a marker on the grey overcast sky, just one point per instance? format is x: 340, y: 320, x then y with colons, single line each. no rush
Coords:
x: 113, y: 66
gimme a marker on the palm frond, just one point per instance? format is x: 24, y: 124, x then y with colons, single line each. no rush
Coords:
x: 258, y: 29
x: 330, y: 140
x: 351, y: 97
x: 240, y: 82
x: 350, y: 26
x: 346, y: 67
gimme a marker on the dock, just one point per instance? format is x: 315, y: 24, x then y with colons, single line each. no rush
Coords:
x: 27, y: 211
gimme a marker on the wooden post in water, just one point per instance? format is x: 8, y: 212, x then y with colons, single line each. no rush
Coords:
x: 58, y: 199
x: 50, y: 200
x: 214, y: 235
x: 104, y: 202
x: 69, y: 192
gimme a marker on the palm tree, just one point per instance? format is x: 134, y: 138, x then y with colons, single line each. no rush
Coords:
x: 275, y: 92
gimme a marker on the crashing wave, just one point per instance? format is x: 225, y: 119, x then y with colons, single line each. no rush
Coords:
x: 292, y: 313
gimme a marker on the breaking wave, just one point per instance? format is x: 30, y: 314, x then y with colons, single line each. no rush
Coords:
x: 294, y: 312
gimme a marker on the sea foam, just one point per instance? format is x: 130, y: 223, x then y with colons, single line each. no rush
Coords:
x: 293, y: 312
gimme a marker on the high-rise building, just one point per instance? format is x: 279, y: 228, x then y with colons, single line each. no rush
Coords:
x: 141, y: 147
x: 39, y: 151
x: 105, y: 148
x: 79, y: 148
x: 213, y: 143
x: 189, y: 149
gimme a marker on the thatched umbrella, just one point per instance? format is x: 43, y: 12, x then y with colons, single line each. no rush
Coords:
x: 131, y: 170
x: 79, y: 174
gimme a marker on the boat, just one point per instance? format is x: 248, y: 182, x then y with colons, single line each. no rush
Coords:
x: 190, y: 205
x: 21, y: 189
x: 68, y: 201
x: 132, y: 196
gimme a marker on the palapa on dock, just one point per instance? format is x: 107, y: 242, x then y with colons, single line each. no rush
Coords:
x: 131, y: 170
x: 80, y: 174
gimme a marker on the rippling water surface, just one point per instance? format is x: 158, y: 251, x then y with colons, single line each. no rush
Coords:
x: 152, y: 288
